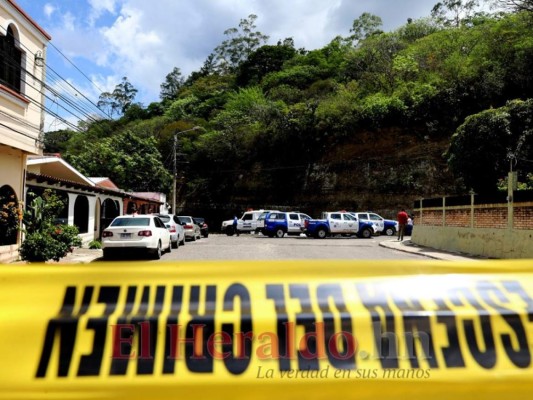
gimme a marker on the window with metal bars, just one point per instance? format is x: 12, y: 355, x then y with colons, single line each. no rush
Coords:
x: 10, y: 61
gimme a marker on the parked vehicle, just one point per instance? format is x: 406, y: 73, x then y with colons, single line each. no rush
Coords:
x: 247, y: 223
x: 192, y: 230
x: 260, y: 224
x: 280, y: 223
x: 204, y: 228
x: 391, y: 227
x: 177, y: 233
x: 377, y: 221
x: 337, y: 223
x: 145, y: 233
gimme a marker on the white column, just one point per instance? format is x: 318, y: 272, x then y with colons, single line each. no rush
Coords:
x: 71, y: 201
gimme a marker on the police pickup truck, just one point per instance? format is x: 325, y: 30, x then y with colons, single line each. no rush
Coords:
x: 381, y: 225
x: 280, y: 223
x: 247, y: 223
x: 337, y: 223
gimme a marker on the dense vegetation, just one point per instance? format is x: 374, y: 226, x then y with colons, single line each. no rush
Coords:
x: 371, y: 120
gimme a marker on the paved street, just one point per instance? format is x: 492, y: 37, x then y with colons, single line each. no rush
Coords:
x: 258, y: 247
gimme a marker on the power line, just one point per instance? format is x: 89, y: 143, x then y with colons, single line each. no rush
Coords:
x: 21, y: 133
x: 43, y: 106
x: 75, y: 66
x: 74, y: 102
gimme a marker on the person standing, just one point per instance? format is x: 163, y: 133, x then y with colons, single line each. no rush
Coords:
x: 402, y: 222
x: 235, y: 225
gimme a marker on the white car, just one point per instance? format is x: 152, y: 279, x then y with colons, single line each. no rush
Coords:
x: 145, y: 233
x: 177, y: 233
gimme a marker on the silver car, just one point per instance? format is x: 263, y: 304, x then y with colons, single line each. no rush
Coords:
x: 177, y: 233
x: 192, y: 230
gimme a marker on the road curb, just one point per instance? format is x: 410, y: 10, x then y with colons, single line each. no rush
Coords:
x: 407, y: 246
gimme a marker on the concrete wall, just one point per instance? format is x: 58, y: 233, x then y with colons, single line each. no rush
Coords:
x: 497, y: 230
x: 493, y: 243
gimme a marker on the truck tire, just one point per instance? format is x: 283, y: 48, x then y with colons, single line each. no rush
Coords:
x: 366, y: 233
x: 321, y: 233
x: 390, y: 231
x: 280, y: 233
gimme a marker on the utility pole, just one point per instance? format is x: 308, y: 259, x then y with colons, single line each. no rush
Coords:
x: 174, y: 172
x: 174, y: 169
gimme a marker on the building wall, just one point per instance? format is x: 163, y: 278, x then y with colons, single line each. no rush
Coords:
x: 21, y: 117
x: 12, y: 174
x: 19, y: 111
x: 497, y: 230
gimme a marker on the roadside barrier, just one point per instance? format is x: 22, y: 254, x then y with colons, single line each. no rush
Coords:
x: 352, y: 329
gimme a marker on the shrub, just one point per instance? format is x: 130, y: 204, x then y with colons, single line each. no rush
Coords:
x: 41, y: 247
x: 67, y: 235
x: 44, y: 240
x: 95, y: 245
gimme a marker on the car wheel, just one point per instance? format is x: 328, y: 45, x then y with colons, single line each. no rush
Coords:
x: 193, y: 237
x: 321, y: 233
x: 169, y: 248
x: 280, y: 233
x: 175, y: 244
x: 366, y: 233
x: 157, y: 253
x: 390, y: 231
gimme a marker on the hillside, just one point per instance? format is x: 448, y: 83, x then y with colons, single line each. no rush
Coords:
x: 365, y: 122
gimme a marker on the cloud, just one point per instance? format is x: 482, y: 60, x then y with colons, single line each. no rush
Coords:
x: 144, y: 40
x: 100, y: 7
x: 48, y: 10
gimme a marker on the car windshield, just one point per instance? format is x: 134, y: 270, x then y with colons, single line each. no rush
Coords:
x: 139, y: 221
x: 199, y: 220
x: 184, y: 219
x: 262, y: 216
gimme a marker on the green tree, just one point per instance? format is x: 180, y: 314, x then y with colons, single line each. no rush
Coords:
x: 365, y: 26
x: 132, y: 162
x: 517, y: 5
x: 57, y: 141
x: 454, y: 12
x: 44, y: 239
x: 264, y: 60
x: 241, y: 42
x: 173, y: 83
x: 119, y: 100
x: 489, y: 143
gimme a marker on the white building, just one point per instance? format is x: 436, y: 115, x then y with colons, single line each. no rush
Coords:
x: 88, y: 206
x: 22, y: 72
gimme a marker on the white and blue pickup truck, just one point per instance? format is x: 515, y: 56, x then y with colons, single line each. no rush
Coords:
x: 381, y: 225
x: 279, y: 223
x: 246, y: 224
x: 338, y: 223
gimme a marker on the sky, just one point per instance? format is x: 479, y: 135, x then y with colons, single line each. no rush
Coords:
x: 144, y: 40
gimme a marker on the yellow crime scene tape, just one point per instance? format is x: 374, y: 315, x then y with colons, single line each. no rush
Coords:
x: 221, y: 330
